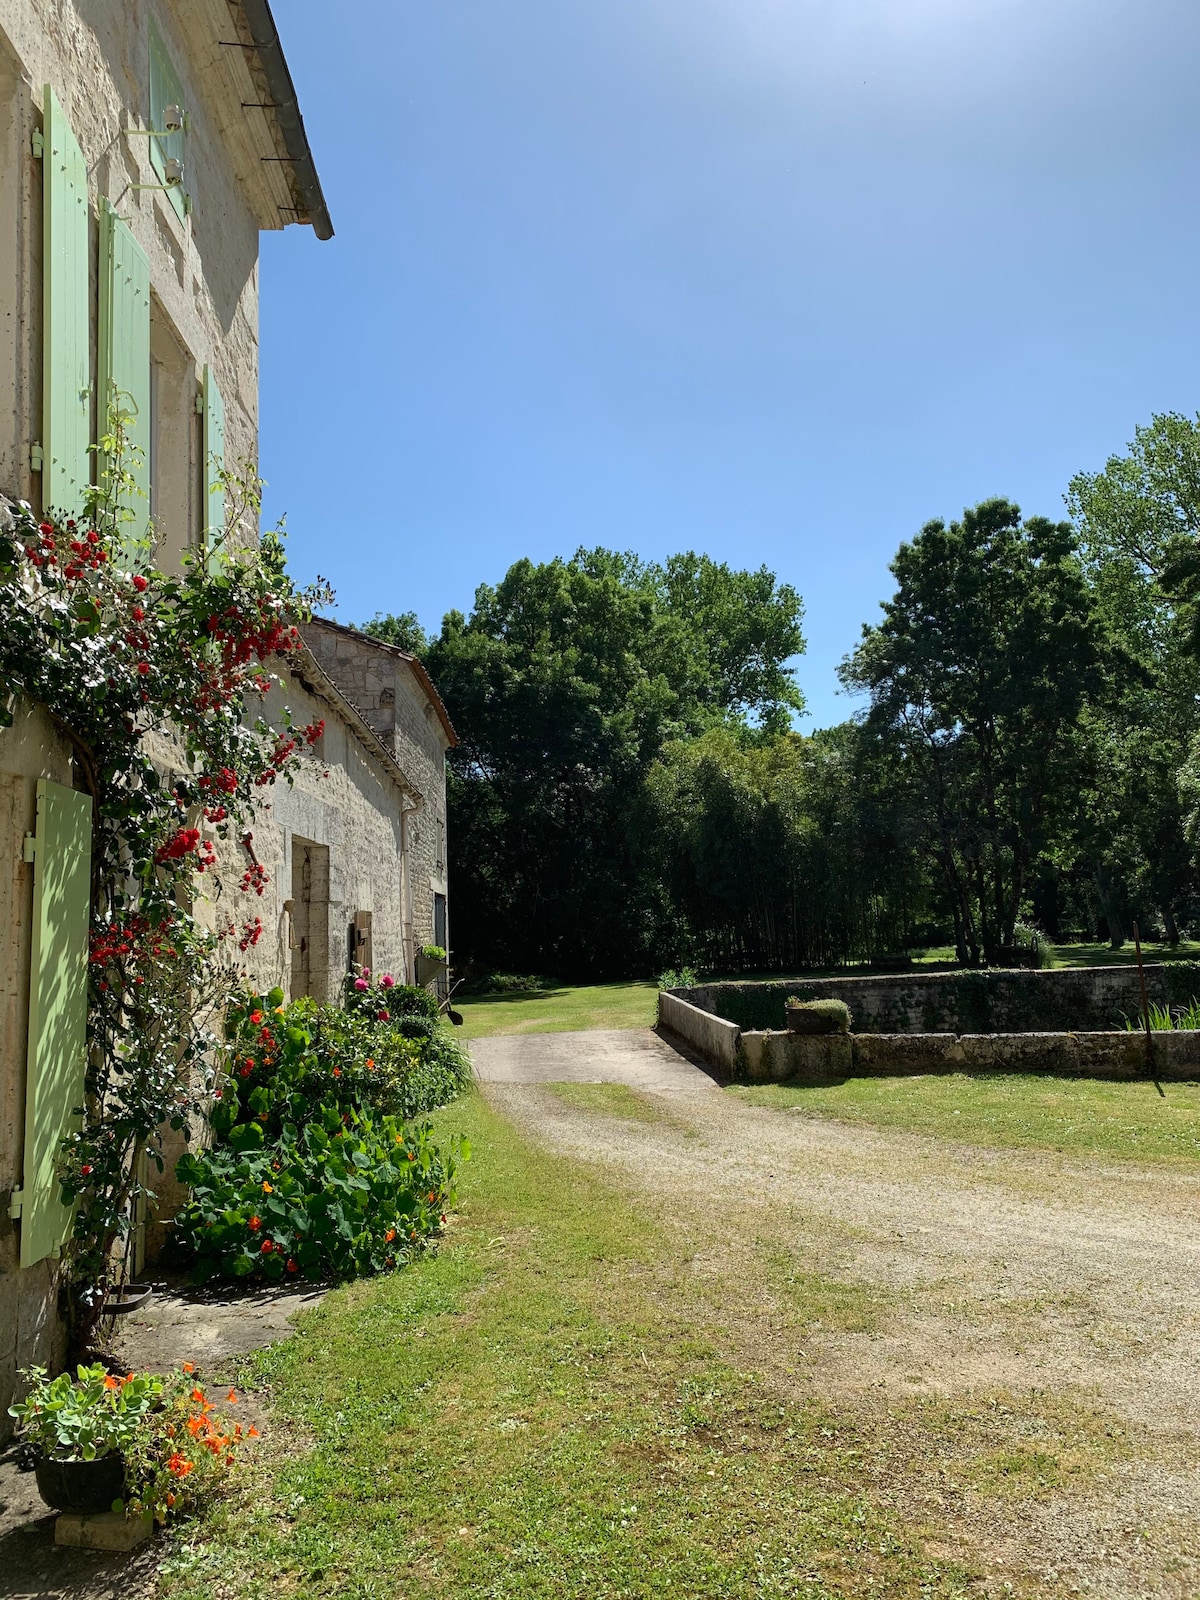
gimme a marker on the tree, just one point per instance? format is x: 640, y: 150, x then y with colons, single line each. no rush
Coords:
x: 1139, y: 527
x: 402, y: 630
x: 776, y: 852
x: 988, y: 652
x: 564, y: 685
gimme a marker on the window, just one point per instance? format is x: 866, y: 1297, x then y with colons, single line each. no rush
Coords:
x: 167, y: 91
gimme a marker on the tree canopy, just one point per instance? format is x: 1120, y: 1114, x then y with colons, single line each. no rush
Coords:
x: 630, y: 790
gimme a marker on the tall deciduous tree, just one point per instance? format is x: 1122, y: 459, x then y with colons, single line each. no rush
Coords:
x: 987, y: 654
x: 1139, y: 526
x: 564, y: 685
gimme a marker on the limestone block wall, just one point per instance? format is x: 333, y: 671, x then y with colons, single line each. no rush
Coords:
x: 1063, y: 999
x: 203, y: 268
x: 353, y: 813
x: 385, y: 684
x: 30, y: 1331
x: 770, y: 1057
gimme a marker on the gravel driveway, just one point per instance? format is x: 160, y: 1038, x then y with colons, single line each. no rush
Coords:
x: 1025, y: 1282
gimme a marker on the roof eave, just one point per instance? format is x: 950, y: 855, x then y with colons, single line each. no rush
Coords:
x: 285, y: 108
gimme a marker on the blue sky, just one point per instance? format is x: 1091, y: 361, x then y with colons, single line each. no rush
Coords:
x: 775, y: 279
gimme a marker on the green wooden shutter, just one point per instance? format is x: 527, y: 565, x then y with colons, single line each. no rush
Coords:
x: 66, y: 375
x: 57, y: 1009
x: 124, y: 351
x: 214, y: 460
x: 166, y: 90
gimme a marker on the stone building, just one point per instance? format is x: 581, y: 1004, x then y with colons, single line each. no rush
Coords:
x: 398, y: 700
x: 144, y: 144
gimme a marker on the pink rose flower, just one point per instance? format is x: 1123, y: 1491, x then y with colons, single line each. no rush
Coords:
x: 387, y: 981
x: 361, y: 984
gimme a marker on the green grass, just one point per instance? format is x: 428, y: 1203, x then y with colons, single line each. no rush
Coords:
x: 613, y: 1100
x: 562, y: 1010
x: 1102, y: 955
x: 542, y: 1412
x: 1123, y: 1121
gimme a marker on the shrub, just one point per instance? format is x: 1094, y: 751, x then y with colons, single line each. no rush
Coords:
x: 312, y: 1107
x: 345, y: 1197
x: 678, y: 978
x: 433, y: 952
x: 818, y: 1016
x: 1027, y: 937
x: 508, y: 983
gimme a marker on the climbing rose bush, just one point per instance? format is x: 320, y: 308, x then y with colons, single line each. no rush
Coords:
x: 158, y: 683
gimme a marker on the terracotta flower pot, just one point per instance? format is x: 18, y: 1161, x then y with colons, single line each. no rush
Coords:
x: 81, y: 1485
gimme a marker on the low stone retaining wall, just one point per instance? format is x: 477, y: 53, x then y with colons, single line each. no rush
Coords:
x: 1000, y: 1001
x: 709, y: 1035
x: 770, y: 1057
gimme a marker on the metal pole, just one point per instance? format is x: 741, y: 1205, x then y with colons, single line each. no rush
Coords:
x: 1137, y: 941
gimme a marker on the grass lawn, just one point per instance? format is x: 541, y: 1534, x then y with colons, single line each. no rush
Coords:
x: 564, y: 1010
x: 539, y: 1413
x: 1123, y: 1121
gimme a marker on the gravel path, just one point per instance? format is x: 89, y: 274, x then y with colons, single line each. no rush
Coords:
x: 1024, y: 1273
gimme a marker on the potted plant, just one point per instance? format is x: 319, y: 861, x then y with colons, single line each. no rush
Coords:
x: 80, y: 1429
x: 142, y: 1444
x: 431, y: 964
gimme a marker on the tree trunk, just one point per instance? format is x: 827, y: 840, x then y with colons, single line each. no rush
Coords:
x: 1170, y: 926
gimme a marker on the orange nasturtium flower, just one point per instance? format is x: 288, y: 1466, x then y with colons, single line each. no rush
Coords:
x: 267, y: 1189
x: 232, y: 1397
x: 389, y: 1236
x: 198, y: 1396
x: 188, y: 1366
x: 254, y: 1224
x: 111, y: 1383
x: 252, y: 1432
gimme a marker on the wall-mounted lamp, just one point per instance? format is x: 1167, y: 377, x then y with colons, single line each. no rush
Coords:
x: 174, y: 121
x: 172, y: 176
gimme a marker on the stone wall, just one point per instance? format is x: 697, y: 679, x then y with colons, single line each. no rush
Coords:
x: 30, y: 1331
x: 387, y: 684
x: 1063, y: 999
x: 203, y: 267
x: 770, y: 1057
x: 708, y: 1035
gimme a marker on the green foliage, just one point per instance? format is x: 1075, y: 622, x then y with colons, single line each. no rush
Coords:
x: 989, y: 651
x: 86, y: 1416
x: 1027, y: 937
x: 817, y: 1016
x: 433, y: 952
x: 564, y: 686
x: 404, y: 631
x: 678, y: 978
x: 314, y: 1155
x: 1163, y: 1019
x: 775, y: 853
x: 507, y: 983
x: 180, y: 1454
x: 345, y: 1196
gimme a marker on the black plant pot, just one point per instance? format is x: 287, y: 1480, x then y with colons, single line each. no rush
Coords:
x: 81, y: 1485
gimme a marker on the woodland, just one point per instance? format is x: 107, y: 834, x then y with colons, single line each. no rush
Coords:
x: 630, y: 793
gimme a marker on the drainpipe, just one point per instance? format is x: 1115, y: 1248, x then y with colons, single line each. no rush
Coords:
x: 287, y: 112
